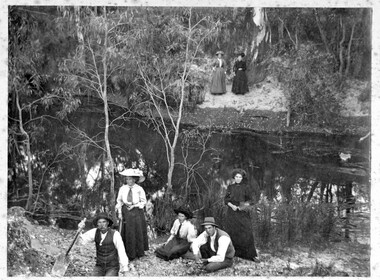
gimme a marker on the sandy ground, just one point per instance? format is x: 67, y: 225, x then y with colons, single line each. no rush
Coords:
x: 268, y: 95
x: 265, y: 97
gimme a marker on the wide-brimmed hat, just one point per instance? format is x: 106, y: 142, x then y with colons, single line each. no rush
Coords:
x: 103, y: 215
x: 209, y: 221
x: 184, y: 210
x: 239, y: 171
x: 130, y: 172
x: 219, y: 52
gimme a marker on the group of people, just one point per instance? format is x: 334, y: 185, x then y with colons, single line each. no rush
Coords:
x: 218, y: 80
x: 214, y: 248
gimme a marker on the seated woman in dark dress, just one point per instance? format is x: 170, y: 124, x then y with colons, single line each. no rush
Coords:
x: 238, y: 221
x: 181, y: 236
x: 240, y: 82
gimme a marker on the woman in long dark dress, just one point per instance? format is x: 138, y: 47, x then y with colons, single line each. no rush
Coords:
x: 240, y: 82
x: 218, y: 80
x: 130, y: 205
x: 238, y: 222
x: 181, y: 236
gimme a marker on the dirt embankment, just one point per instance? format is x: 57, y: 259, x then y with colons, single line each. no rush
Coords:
x: 264, y: 108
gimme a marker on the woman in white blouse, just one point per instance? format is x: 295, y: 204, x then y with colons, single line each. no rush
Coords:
x: 181, y: 236
x: 130, y: 205
x: 218, y: 79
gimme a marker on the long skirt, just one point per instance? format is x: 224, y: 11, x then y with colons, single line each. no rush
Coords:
x: 240, y: 83
x: 134, y: 232
x: 174, y: 249
x: 239, y: 227
x: 218, y: 82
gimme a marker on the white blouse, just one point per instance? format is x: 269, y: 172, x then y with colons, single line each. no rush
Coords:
x: 138, y: 196
x: 187, y: 230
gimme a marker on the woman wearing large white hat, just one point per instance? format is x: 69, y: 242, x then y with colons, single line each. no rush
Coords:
x: 130, y: 205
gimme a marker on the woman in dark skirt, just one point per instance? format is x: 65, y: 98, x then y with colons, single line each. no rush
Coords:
x: 240, y: 82
x: 130, y: 205
x: 182, y: 235
x: 218, y: 80
x: 238, y: 221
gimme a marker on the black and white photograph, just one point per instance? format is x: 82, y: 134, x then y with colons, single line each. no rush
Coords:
x: 195, y: 139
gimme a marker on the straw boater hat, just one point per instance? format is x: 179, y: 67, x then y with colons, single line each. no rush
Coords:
x: 209, y: 221
x: 219, y: 52
x: 239, y: 171
x: 133, y: 173
x: 102, y: 216
x: 185, y: 211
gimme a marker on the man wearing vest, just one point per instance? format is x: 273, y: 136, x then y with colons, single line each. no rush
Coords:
x: 213, y: 247
x: 110, y: 252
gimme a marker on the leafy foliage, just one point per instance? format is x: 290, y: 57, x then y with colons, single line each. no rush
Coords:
x: 311, y: 85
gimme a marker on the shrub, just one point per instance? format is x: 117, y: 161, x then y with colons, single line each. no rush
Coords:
x: 311, y: 85
x: 282, y: 224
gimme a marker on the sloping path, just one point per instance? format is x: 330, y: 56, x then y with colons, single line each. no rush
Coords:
x: 265, y: 97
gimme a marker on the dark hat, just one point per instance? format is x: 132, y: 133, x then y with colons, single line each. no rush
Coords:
x: 239, y: 171
x: 185, y: 211
x: 103, y: 216
x: 241, y: 54
x: 219, y: 52
x: 209, y: 221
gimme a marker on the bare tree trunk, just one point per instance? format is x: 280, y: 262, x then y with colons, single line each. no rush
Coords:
x: 349, y: 50
x: 83, y: 172
x: 107, y: 125
x: 280, y: 33
x: 322, y: 33
x: 288, y: 116
x: 349, y: 199
x: 180, y: 110
x: 313, y: 187
x: 261, y: 36
x: 341, y: 48
x: 329, y: 194
x: 28, y: 155
x: 323, y: 187
x: 79, y: 32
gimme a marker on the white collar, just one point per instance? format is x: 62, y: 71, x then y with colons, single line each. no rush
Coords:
x: 213, y: 236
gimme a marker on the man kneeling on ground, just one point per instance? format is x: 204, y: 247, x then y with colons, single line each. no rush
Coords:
x: 110, y: 251
x: 213, y: 247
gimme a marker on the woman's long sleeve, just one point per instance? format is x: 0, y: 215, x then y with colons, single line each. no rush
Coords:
x: 227, y: 197
x: 119, y: 201
x: 191, y: 233
x: 244, y: 66
x: 235, y: 67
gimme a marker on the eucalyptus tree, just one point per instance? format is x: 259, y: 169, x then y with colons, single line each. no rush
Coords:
x: 33, y: 87
x: 167, y: 45
x: 96, y: 64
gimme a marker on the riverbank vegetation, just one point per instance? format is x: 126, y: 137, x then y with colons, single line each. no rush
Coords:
x: 95, y: 89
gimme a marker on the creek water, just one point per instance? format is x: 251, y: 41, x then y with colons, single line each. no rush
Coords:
x: 267, y: 158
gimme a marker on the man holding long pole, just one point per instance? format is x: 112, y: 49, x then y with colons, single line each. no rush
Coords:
x: 110, y: 252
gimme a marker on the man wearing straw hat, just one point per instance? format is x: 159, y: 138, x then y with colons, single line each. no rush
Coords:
x: 213, y: 247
